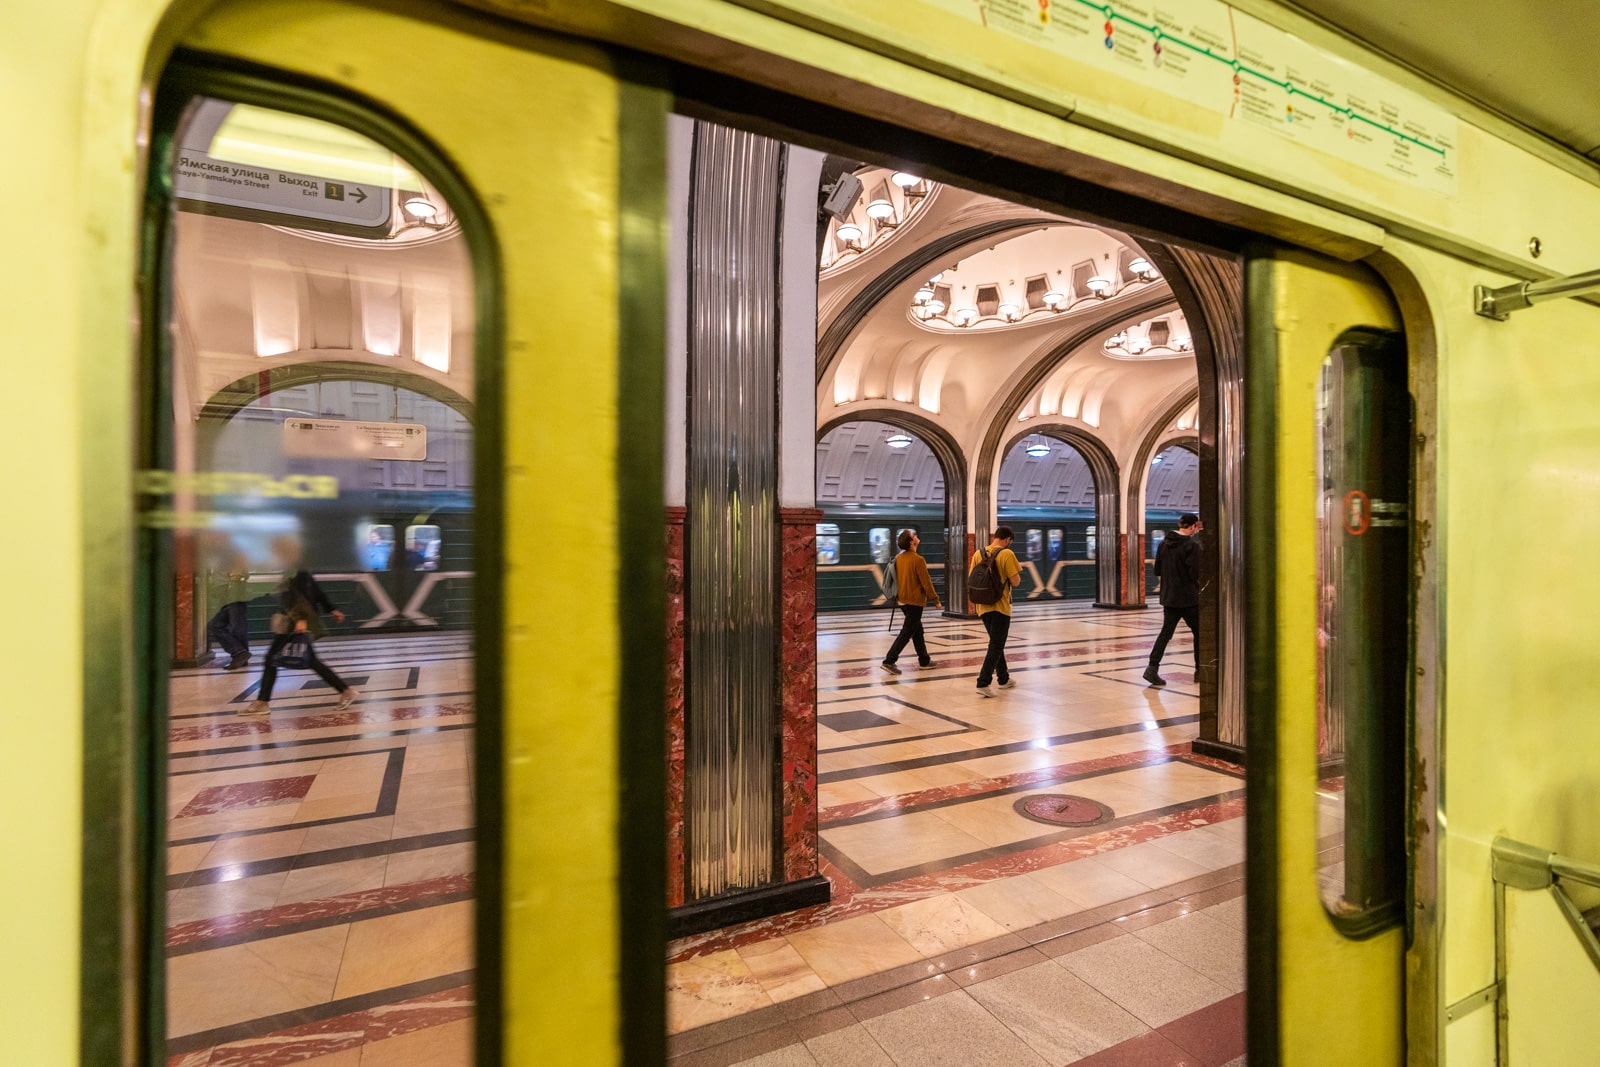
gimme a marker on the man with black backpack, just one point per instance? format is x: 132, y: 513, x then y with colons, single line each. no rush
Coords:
x: 1178, y: 571
x: 994, y: 571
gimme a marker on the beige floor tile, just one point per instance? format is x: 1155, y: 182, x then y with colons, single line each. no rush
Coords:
x: 427, y: 863
x: 1059, y: 1016
x: 433, y: 820
x: 1151, y: 864
x: 1018, y: 902
x: 1088, y: 882
x: 344, y: 834
x: 711, y: 988
x: 335, y: 808
x: 181, y: 859
x: 217, y: 899
x: 782, y: 972
x: 938, y: 924
x: 409, y: 947
x: 891, y: 844
x: 852, y: 948
x: 332, y: 880
x: 206, y: 990
x: 449, y: 1045
x: 256, y: 847
x: 836, y: 793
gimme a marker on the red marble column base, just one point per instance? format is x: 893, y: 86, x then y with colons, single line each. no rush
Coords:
x: 675, y: 815
x: 797, y: 680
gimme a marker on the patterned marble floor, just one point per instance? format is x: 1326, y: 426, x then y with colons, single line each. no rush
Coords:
x: 320, y: 862
x: 962, y: 930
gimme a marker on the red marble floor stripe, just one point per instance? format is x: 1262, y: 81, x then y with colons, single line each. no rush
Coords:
x: 1022, y: 655
x: 850, y: 900
x: 981, y: 786
x: 265, y: 724
x: 217, y: 798
x: 290, y: 914
x: 1147, y: 1050
x: 335, y: 1035
x: 1214, y: 1034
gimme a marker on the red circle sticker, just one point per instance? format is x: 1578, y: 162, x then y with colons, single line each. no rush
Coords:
x: 1357, y: 512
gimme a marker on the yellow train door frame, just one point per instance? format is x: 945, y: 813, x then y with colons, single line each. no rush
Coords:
x: 560, y: 185
x: 1316, y: 988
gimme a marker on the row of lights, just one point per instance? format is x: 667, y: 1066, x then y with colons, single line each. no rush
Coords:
x: 925, y: 305
x: 881, y: 212
x: 1135, y: 345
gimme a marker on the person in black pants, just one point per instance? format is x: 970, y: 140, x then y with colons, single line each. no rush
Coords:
x: 1178, y: 571
x: 303, y: 602
x: 914, y: 588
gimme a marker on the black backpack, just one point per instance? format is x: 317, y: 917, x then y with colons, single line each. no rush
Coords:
x: 983, y: 580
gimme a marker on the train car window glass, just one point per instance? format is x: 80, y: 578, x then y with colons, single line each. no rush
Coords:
x: 1056, y: 541
x: 827, y: 544
x: 422, y: 547
x: 1088, y: 543
x: 1035, y: 543
x: 881, y: 545
x: 312, y: 400
x: 1363, y: 559
x: 377, y: 545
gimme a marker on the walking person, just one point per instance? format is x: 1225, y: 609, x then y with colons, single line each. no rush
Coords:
x: 914, y: 588
x: 1178, y: 572
x: 303, y: 602
x: 228, y: 587
x: 1004, y: 572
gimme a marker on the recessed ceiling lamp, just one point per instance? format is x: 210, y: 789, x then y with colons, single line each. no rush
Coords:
x: 1038, y: 450
x: 966, y: 316
x: 899, y: 440
x: 1099, y: 286
x: 1010, y: 312
x: 1055, y: 300
x: 905, y: 180
x: 420, y: 207
x: 849, y: 233
x: 880, y: 211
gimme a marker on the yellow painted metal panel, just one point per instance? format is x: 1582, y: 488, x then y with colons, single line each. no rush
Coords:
x: 1551, y: 985
x: 1341, y: 1001
x: 547, y: 171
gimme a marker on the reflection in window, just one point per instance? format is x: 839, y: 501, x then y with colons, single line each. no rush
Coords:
x: 422, y: 547
x: 377, y: 545
x: 1035, y: 544
x: 827, y: 544
x: 1056, y: 539
x: 1088, y: 543
x: 880, y: 545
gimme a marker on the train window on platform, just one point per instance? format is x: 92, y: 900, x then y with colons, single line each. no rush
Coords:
x: 827, y: 544
x: 1088, y: 543
x: 882, y: 546
x: 1056, y: 540
x: 1035, y: 544
x: 377, y: 545
x: 311, y: 395
x: 1363, y: 559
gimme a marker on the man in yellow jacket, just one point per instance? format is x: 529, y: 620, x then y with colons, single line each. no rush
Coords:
x: 997, y: 616
x: 915, y: 590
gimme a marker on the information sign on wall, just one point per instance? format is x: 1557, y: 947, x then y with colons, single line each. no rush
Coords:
x: 350, y: 439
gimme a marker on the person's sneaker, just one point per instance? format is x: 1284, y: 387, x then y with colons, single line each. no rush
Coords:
x: 928, y: 666
x: 237, y: 662
x: 1152, y: 677
x: 890, y: 667
x: 983, y: 691
x: 348, y: 697
x: 257, y: 707
x: 1009, y: 683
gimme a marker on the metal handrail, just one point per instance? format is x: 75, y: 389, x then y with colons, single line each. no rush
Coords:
x: 1518, y: 865
x: 1500, y: 303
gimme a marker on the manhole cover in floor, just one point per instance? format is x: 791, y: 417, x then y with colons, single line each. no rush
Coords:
x: 1058, y: 809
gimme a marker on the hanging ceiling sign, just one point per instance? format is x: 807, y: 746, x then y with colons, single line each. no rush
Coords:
x: 261, y: 194
x: 350, y: 439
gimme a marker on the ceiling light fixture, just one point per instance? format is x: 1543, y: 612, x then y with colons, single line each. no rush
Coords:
x: 905, y: 180
x: 966, y: 316
x: 880, y: 211
x: 1116, y: 340
x: 935, y: 307
x: 1010, y: 312
x: 1099, y: 286
x: 1038, y: 450
x: 923, y: 295
x: 899, y: 440
x: 1142, y: 269
x: 850, y: 234
x: 420, y: 207
x: 1055, y: 300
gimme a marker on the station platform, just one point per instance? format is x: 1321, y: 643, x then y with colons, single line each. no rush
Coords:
x: 964, y: 928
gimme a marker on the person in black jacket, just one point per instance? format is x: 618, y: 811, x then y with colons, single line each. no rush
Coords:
x: 302, y: 602
x: 1178, y: 572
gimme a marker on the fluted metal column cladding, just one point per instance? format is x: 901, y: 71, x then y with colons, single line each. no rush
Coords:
x: 732, y: 703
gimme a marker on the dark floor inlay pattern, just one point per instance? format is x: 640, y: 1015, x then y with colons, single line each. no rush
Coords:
x: 854, y: 720
x: 1059, y: 809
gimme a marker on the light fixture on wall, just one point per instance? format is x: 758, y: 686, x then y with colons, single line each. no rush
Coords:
x: 849, y: 235
x: 1142, y: 269
x: 966, y: 316
x: 1010, y: 312
x: 1038, y: 449
x: 1055, y: 300
x: 905, y: 179
x: 1099, y: 286
x: 923, y: 295
x: 420, y: 207
x: 881, y: 211
x: 1117, y: 340
x: 899, y: 440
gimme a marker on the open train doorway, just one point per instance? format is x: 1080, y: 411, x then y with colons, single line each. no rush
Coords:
x: 963, y: 866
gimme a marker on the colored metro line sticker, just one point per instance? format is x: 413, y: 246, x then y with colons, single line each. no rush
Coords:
x: 1357, y: 512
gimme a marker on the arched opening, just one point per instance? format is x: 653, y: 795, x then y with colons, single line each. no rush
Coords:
x: 875, y: 479
x: 923, y: 481
x: 1047, y: 495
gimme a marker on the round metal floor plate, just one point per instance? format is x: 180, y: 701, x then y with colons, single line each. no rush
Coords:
x: 1059, y: 809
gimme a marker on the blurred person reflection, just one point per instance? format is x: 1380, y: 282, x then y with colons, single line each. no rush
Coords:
x: 376, y: 552
x: 302, y: 603
x: 228, y: 592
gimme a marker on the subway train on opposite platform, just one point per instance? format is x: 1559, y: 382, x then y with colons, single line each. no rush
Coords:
x: 1341, y: 202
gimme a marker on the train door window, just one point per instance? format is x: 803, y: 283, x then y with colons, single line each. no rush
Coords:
x: 1088, y: 543
x: 879, y: 542
x: 316, y: 371
x: 1056, y: 541
x: 377, y: 545
x: 1363, y: 559
x: 422, y: 547
x: 827, y: 544
x: 1035, y: 544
